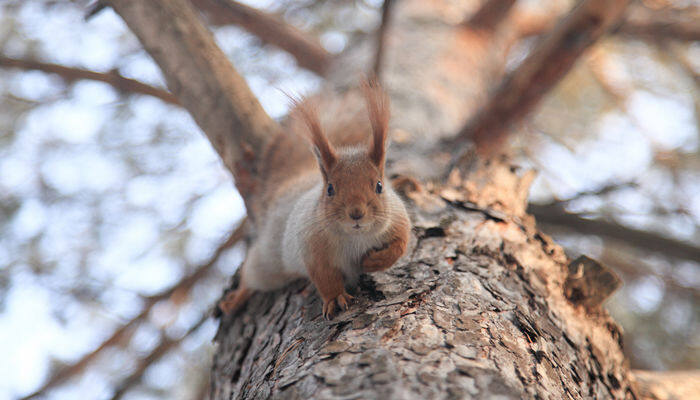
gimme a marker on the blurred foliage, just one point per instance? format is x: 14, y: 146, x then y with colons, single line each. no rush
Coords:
x: 108, y: 198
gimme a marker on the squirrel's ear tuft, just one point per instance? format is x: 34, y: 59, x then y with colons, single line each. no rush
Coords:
x: 378, y: 108
x: 305, y: 111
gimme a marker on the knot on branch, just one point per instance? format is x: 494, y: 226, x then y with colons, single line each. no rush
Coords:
x: 589, y: 283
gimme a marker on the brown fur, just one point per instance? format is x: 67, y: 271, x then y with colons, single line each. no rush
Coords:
x: 354, y: 180
x: 378, y: 108
x: 308, y: 114
x: 326, y: 277
x: 287, y: 156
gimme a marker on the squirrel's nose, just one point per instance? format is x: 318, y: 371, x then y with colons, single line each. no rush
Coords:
x: 356, y: 214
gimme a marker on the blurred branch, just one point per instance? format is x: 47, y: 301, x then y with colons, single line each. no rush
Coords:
x: 71, y: 74
x: 599, y: 68
x: 491, y: 13
x: 613, y: 187
x: 176, y: 291
x: 644, y: 23
x: 667, y: 385
x: 644, y: 240
x: 381, y: 37
x: 271, y: 29
x: 166, y: 344
x: 548, y: 62
x: 207, y: 85
x: 683, y: 61
x: 529, y: 24
x: 94, y: 9
x: 639, y: 22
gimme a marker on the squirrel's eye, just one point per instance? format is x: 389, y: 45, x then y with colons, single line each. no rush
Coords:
x: 379, y: 187
x: 331, y: 191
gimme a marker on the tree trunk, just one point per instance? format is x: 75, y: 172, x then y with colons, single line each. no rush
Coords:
x: 477, y: 306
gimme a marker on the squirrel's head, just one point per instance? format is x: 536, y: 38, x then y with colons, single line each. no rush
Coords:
x: 354, y: 187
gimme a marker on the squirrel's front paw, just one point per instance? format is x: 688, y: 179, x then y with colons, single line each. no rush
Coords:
x: 343, y: 301
x: 373, y: 262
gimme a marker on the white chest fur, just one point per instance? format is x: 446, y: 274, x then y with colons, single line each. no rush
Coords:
x: 348, y: 249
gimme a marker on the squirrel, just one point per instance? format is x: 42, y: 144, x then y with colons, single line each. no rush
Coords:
x: 330, y: 220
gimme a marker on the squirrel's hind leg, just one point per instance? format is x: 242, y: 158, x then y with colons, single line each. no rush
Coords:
x: 259, y: 272
x: 235, y: 299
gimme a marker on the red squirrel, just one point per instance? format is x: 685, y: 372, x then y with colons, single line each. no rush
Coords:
x: 329, y: 220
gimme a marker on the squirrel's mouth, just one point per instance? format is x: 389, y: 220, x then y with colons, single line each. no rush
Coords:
x: 357, y: 226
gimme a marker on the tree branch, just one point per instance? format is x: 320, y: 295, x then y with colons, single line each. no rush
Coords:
x: 601, y: 191
x: 381, y: 38
x: 639, y: 22
x: 70, y: 74
x: 643, y: 23
x: 548, y: 62
x: 555, y: 215
x: 491, y: 13
x: 271, y: 29
x: 166, y: 344
x: 178, y: 290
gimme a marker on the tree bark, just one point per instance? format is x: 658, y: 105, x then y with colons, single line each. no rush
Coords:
x: 476, y: 308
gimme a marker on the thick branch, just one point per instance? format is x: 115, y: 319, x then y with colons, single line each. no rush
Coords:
x: 179, y: 289
x: 70, y: 74
x: 467, y: 313
x: 491, y: 13
x: 205, y: 82
x: 554, y: 215
x: 270, y: 29
x: 551, y: 59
